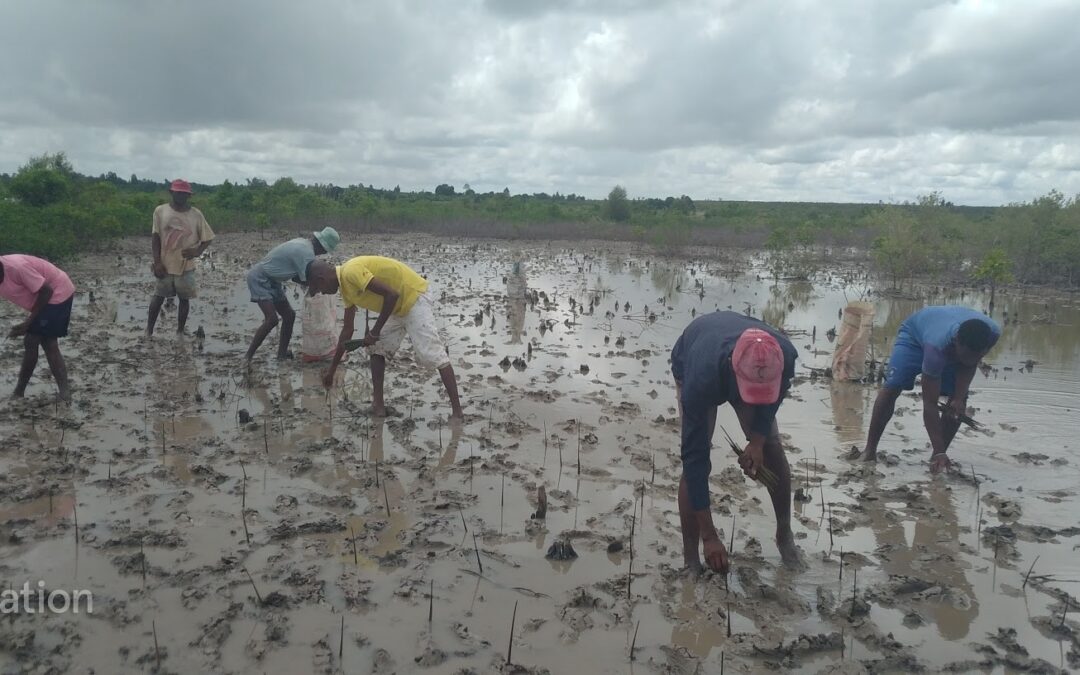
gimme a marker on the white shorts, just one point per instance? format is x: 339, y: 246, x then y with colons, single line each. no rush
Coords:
x: 422, y: 327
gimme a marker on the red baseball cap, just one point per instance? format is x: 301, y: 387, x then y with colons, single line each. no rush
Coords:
x: 180, y: 185
x: 758, y: 363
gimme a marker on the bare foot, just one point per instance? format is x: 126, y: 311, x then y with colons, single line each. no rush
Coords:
x: 457, y: 415
x: 939, y: 463
x: 789, y: 553
x: 870, y: 455
x: 64, y: 394
x: 693, y: 566
x: 379, y: 411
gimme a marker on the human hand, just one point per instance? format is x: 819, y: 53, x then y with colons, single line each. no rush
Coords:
x: 328, y: 378
x: 190, y: 252
x: 939, y: 463
x: 752, y: 459
x: 370, y: 339
x: 956, y: 408
x: 159, y: 269
x: 19, y: 329
x: 716, y: 555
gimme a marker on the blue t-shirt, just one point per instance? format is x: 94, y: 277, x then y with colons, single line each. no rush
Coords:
x: 289, y: 260
x: 701, y: 364
x: 934, y: 328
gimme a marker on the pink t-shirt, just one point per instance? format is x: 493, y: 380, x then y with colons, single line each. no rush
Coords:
x: 24, y: 275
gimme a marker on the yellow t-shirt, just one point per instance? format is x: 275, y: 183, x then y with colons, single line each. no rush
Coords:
x: 179, y: 230
x: 354, y: 276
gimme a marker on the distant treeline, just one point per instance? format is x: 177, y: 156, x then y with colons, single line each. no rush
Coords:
x: 49, y: 209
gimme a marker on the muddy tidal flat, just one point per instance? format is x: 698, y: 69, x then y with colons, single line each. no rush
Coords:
x: 236, y: 522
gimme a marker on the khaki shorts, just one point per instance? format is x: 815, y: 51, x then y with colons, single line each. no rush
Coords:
x: 176, y: 285
x: 422, y: 327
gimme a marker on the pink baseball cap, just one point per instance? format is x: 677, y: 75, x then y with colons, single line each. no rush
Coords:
x: 180, y: 185
x: 758, y: 363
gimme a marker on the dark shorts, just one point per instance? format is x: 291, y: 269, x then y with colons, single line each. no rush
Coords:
x: 53, y: 321
x: 905, y: 364
x: 264, y: 289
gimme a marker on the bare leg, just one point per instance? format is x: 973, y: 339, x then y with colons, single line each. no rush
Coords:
x: 155, y: 308
x: 884, y: 406
x: 378, y: 371
x: 691, y: 534
x: 776, y: 461
x: 288, y: 317
x: 58, y: 367
x: 181, y: 314
x: 29, y: 363
x: 449, y: 380
x: 269, y: 321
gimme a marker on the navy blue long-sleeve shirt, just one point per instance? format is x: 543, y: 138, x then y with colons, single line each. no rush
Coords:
x: 701, y: 364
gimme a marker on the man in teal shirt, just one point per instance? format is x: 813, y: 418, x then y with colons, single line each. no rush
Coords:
x: 285, y: 262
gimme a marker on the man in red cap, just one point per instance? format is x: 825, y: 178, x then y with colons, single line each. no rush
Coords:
x: 180, y: 235
x: 726, y: 357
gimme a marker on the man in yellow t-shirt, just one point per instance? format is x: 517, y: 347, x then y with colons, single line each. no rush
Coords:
x: 180, y: 235
x: 405, y: 307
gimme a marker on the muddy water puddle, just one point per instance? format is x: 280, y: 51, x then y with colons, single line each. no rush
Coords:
x: 564, y: 373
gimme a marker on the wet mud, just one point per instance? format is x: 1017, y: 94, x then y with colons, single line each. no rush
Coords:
x: 232, y: 521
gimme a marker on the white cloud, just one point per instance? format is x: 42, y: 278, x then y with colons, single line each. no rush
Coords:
x: 771, y: 99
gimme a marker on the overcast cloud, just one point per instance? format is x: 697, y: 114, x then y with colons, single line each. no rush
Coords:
x: 837, y: 100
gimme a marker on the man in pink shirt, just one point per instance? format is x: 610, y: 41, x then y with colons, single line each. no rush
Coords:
x: 46, y: 292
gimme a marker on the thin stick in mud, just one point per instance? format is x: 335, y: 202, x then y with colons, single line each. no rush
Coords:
x: 75, y: 514
x: 579, y: 447
x: 341, y: 640
x: 1026, y: 576
x: 355, y: 558
x: 830, y: 526
x: 729, y: 619
x: 142, y: 555
x: 510, y: 644
x: 460, y: 513
x: 841, y: 563
x: 721, y: 662
x: 731, y: 548
x: 633, y: 642
x: 431, y: 604
x: 157, y: 650
x: 258, y: 596
x: 476, y: 548
x: 386, y: 499
x: 266, y: 439
x: 243, y: 504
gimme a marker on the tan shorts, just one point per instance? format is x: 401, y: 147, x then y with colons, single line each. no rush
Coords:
x: 422, y: 327
x: 176, y: 285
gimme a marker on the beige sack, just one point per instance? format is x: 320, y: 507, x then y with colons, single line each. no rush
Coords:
x: 849, y: 359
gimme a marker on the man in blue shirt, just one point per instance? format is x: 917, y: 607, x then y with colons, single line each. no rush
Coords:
x: 725, y: 357
x: 945, y: 344
x: 285, y: 262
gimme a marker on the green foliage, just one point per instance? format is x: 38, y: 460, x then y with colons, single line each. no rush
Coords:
x: 48, y: 209
x: 995, y: 269
x: 617, y: 207
x: 37, y: 186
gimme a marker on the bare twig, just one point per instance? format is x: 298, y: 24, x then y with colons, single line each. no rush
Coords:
x: 1029, y: 572
x: 633, y: 642
x: 341, y: 640
x: 476, y: 548
x: 355, y: 558
x: 157, y: 650
x: 431, y: 604
x: 258, y: 596
x: 510, y: 646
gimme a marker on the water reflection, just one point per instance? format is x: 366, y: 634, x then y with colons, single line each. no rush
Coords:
x: 932, y: 556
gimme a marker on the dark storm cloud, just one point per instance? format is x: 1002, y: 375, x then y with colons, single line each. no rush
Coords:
x: 767, y: 99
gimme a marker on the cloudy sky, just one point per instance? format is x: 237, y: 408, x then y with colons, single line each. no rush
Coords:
x: 833, y: 100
